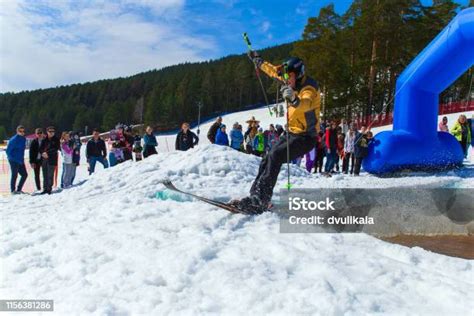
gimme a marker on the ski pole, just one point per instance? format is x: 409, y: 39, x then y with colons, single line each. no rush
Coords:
x: 285, y: 78
x: 257, y: 71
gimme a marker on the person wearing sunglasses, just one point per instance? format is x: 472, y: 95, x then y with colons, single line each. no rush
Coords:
x: 16, y: 157
x: 49, y: 152
x: 35, y: 156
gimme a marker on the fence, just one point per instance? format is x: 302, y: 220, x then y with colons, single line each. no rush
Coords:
x: 387, y: 118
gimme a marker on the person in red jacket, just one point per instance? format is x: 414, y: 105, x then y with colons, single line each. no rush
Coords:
x: 331, y: 148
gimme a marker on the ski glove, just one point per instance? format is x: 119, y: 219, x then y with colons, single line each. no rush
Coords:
x: 289, y: 94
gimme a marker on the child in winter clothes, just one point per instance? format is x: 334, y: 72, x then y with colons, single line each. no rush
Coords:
x: 69, y: 167
x: 221, y: 137
x: 249, y: 137
x: 76, y: 156
x: 236, y: 137
x: 462, y: 132
x: 362, y: 143
x: 443, y: 125
x: 259, y: 143
x: 117, y: 152
x: 137, y: 147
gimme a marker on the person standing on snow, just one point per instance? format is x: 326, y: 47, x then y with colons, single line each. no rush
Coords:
x: 16, y: 158
x: 443, y: 125
x: 69, y: 167
x: 96, y: 152
x: 221, y: 137
x: 149, y: 143
x: 236, y: 137
x: 349, y: 143
x: 271, y: 138
x: 129, y: 140
x: 35, y: 156
x: 320, y: 152
x: 76, y: 155
x: 49, y: 152
x: 252, y: 130
x: 259, y: 143
x: 303, y: 98
x: 340, y: 147
x: 330, y: 140
x: 462, y: 132
x: 137, y: 147
x: 361, y: 149
x: 186, y: 139
x: 212, y: 133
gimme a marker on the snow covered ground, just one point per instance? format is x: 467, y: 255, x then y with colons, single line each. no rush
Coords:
x: 108, y: 246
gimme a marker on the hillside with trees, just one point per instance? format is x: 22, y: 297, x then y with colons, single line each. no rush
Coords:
x: 356, y: 58
x: 163, y: 98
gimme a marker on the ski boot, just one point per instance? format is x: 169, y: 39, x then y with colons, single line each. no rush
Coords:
x: 250, y: 205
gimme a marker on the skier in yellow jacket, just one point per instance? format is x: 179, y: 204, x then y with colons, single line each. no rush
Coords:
x: 302, y: 95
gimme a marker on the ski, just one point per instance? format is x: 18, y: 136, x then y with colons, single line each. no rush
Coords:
x: 226, y: 206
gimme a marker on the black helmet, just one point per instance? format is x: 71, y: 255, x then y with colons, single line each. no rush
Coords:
x: 296, y: 65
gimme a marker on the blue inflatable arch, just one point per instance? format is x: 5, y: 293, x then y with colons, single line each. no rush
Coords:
x: 415, y: 143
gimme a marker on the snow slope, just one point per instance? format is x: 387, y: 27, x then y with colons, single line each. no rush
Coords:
x: 109, y: 247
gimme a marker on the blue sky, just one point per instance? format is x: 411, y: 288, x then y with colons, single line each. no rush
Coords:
x: 46, y: 43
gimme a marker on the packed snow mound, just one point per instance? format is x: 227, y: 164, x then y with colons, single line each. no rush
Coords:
x: 108, y: 246
x: 207, y: 169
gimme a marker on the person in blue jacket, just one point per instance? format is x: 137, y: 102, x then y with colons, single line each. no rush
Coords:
x: 149, y: 142
x: 236, y: 137
x: 16, y: 157
x: 221, y: 137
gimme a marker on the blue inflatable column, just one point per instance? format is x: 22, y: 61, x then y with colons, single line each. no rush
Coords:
x: 415, y: 143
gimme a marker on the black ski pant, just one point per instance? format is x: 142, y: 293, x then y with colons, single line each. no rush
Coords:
x: 358, y: 164
x: 48, y: 176
x: 37, y: 171
x: 464, y: 146
x: 345, y: 163
x: 319, y: 161
x: 271, y: 164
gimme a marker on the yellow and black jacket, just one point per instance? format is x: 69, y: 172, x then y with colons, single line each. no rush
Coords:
x: 304, y: 111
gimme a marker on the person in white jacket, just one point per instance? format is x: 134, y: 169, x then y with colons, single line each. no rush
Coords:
x: 69, y: 167
x: 349, y: 144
